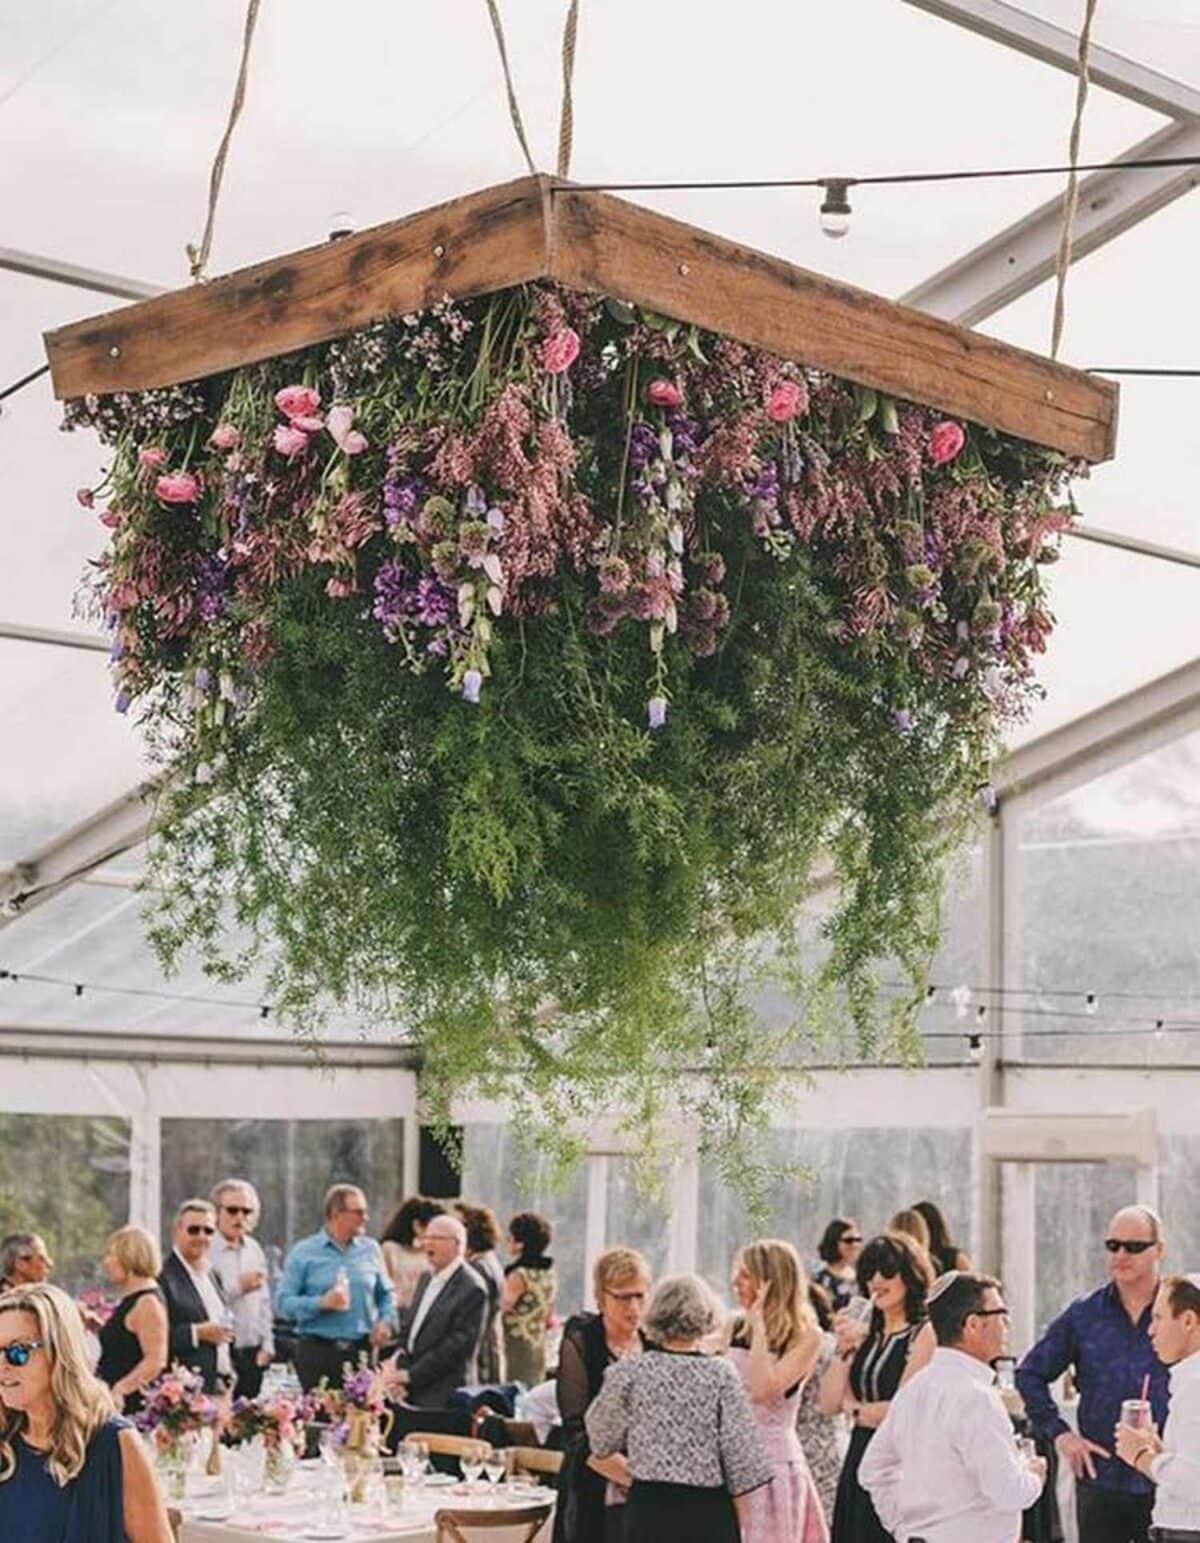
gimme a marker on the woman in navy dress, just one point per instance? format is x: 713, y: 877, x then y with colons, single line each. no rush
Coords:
x: 70, y: 1470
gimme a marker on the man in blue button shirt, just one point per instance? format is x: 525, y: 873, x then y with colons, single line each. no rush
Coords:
x: 336, y: 1290
x: 1106, y: 1338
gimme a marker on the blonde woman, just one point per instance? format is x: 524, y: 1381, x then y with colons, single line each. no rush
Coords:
x: 775, y: 1344
x: 70, y: 1471
x: 913, y: 1225
x: 133, y: 1343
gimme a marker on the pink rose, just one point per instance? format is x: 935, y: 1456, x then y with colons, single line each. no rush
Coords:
x: 786, y: 401
x: 559, y: 351
x: 946, y: 439
x: 225, y: 437
x: 152, y: 456
x: 297, y: 401
x: 290, y: 440
x: 85, y: 498
x: 663, y: 393
x: 178, y: 487
x: 310, y: 425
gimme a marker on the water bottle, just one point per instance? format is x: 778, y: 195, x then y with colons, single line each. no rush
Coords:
x: 343, y: 1283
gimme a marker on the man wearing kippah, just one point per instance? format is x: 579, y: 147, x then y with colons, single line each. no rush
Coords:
x: 1172, y: 1461
x: 1105, y: 1337
x: 944, y: 1465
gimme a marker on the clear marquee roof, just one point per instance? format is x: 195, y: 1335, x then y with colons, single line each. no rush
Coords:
x: 109, y: 115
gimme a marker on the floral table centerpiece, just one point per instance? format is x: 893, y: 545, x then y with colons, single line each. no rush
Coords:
x: 175, y: 1411
x: 361, y: 1419
x: 516, y: 663
x: 280, y: 1425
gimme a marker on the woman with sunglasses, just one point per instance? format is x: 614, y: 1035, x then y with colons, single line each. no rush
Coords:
x: 592, y: 1491
x: 876, y: 1353
x: 133, y: 1343
x: 841, y: 1243
x: 70, y: 1471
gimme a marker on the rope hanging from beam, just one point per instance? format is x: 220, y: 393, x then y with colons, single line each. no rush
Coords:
x: 198, y: 255
x: 1071, y: 199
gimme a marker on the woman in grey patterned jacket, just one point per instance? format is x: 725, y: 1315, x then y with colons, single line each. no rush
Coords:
x: 684, y: 1422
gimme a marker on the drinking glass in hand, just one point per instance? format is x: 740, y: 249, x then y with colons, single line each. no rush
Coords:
x: 1135, y: 1412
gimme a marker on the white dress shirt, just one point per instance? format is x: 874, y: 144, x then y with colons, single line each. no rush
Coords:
x: 437, y: 1284
x: 944, y: 1464
x: 215, y: 1308
x: 253, y: 1320
x: 1176, y: 1469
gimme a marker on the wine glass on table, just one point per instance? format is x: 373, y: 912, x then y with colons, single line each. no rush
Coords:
x: 471, y: 1463
x: 494, y: 1468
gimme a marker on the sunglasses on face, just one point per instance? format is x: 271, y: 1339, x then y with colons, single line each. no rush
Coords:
x: 18, y: 1353
x: 1130, y: 1245
x: 197, y: 1228
x: 239, y: 1210
x: 852, y: 1237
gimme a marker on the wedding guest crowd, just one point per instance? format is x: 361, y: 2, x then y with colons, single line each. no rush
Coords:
x: 676, y: 1419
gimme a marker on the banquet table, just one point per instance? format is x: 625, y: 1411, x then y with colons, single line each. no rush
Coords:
x: 295, y: 1517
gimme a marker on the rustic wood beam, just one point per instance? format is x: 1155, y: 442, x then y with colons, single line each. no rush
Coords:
x: 470, y: 246
x: 533, y: 229
x: 603, y: 243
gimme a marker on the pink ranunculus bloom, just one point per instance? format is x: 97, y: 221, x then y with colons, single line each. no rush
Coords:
x: 177, y: 487
x: 339, y: 420
x: 85, y: 498
x: 152, y: 455
x: 311, y: 424
x: 786, y: 401
x: 297, y: 401
x: 663, y: 393
x: 225, y: 437
x: 354, y: 443
x: 111, y: 518
x: 290, y: 440
x: 559, y: 351
x: 946, y: 439
x: 338, y: 588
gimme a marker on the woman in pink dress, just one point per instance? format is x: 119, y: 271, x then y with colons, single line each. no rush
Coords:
x: 775, y: 1344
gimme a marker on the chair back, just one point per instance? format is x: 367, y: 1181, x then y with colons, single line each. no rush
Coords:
x: 443, y: 1445
x: 526, y: 1522
x: 536, y: 1460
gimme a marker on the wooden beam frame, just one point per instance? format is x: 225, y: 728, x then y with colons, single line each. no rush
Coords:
x: 536, y: 228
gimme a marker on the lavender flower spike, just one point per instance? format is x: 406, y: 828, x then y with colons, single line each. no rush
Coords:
x: 472, y: 683
x: 656, y: 710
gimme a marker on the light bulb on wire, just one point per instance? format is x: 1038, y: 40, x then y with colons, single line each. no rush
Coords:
x: 341, y: 223
x: 975, y: 1046
x: 835, y: 207
x: 1091, y: 1004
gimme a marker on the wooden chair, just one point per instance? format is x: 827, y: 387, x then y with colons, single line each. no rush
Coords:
x: 453, y: 1526
x: 536, y: 1460
x: 442, y: 1445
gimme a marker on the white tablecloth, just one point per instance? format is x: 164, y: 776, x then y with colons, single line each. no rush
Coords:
x: 292, y: 1518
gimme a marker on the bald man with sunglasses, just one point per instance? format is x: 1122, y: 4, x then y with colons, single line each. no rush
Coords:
x: 1105, y: 1338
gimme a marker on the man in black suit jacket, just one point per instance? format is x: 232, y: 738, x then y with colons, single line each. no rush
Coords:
x: 196, y: 1315
x: 441, y: 1329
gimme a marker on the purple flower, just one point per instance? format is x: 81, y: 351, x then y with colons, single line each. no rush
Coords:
x: 472, y: 683
x: 401, y: 495
x: 202, y: 679
x: 123, y: 701
x: 496, y: 521
x: 434, y: 603
x: 656, y: 711
x: 643, y: 446
x: 903, y: 720
x: 475, y: 503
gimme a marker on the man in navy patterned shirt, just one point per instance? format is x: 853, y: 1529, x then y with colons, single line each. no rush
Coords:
x: 1105, y: 1337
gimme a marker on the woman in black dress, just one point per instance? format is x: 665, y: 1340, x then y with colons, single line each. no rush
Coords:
x: 873, y: 1359
x: 839, y: 1248
x: 133, y: 1343
x: 944, y: 1252
x: 591, y: 1490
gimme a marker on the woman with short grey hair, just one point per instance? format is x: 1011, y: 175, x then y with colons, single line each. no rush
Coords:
x: 684, y: 1422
